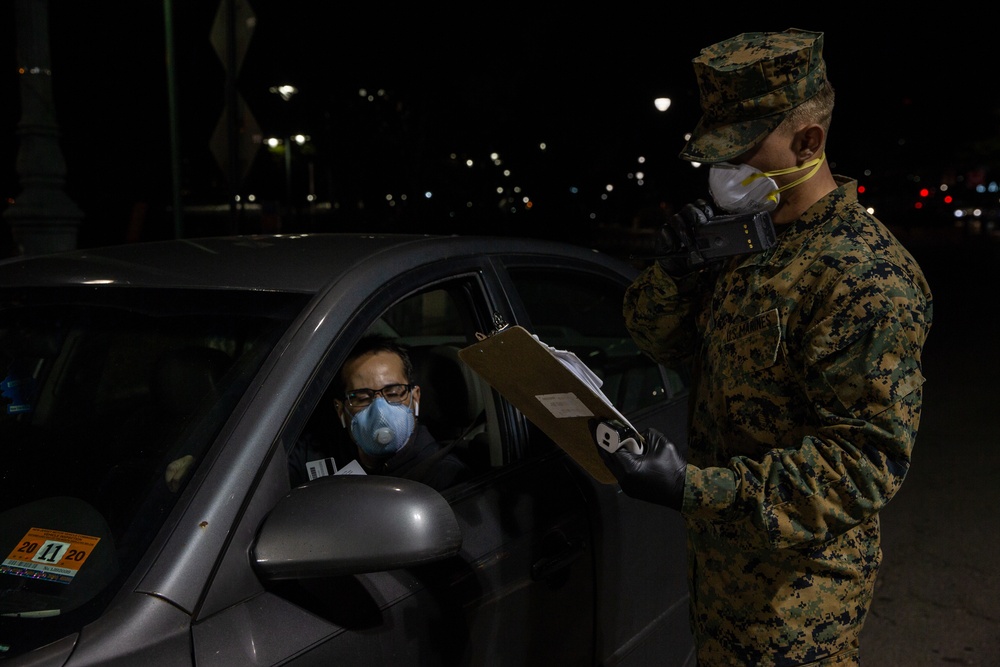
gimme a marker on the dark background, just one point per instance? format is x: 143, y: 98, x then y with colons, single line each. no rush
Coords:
x: 917, y: 107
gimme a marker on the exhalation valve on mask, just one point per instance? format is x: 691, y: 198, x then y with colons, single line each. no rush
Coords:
x: 384, y: 435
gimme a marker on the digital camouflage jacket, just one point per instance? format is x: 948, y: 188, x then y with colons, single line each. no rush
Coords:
x: 804, y: 411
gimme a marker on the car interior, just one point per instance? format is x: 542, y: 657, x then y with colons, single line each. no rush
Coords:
x: 459, y: 407
x: 456, y: 405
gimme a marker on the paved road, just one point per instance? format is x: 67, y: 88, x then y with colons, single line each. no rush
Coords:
x: 937, y: 600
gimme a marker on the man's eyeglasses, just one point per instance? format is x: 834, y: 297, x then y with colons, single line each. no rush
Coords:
x: 392, y: 393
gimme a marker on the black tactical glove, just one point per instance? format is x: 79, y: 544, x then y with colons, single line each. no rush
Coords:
x: 675, y: 247
x: 656, y: 475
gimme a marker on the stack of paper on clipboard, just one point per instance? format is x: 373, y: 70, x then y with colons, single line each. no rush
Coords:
x: 552, y: 388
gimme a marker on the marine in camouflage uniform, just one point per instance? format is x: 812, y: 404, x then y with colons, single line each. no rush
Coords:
x: 806, y: 397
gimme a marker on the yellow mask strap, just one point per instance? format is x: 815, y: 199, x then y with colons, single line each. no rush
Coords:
x: 815, y: 164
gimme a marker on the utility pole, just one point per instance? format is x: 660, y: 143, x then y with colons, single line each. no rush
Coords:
x: 43, y: 219
x: 175, y: 141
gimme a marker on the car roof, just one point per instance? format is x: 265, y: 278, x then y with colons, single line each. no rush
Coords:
x: 280, y: 262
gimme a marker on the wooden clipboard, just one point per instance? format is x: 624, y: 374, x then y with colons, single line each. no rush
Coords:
x: 553, y: 397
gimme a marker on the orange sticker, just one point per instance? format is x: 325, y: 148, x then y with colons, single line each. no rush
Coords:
x: 49, y: 554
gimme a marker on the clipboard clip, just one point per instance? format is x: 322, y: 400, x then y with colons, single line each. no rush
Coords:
x: 499, y: 324
x: 611, y: 435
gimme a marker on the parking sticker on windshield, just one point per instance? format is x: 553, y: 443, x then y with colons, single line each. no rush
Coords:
x: 47, y: 554
x: 564, y: 405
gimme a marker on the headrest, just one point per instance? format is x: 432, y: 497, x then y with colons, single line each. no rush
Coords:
x: 450, y: 392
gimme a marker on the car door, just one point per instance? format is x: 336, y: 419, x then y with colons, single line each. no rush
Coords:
x: 519, y: 591
x: 641, y: 590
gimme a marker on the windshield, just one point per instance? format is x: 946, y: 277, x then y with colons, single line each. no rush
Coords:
x: 109, y: 399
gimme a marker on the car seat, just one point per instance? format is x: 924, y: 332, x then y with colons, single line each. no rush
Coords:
x: 452, y: 404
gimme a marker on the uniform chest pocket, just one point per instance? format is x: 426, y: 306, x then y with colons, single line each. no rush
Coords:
x: 751, y: 346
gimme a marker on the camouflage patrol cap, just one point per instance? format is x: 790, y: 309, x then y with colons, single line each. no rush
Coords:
x: 748, y: 83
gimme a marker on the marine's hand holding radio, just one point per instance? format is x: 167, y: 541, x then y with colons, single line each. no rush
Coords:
x: 656, y: 475
x: 675, y: 245
x: 695, y: 236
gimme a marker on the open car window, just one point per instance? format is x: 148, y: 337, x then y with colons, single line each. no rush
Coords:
x: 456, y: 406
x: 582, y: 312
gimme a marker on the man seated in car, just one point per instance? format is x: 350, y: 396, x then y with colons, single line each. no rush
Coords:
x: 377, y: 407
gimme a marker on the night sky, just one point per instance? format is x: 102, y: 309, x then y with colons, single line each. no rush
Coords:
x: 915, y: 102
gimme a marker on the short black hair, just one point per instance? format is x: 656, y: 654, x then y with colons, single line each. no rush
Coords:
x: 372, y: 343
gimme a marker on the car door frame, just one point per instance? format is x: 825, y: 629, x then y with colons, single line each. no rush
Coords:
x: 228, y: 611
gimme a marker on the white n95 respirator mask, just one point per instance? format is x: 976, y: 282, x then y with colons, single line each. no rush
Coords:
x: 740, y: 188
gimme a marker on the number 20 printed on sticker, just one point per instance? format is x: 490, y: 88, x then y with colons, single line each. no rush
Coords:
x: 53, y: 555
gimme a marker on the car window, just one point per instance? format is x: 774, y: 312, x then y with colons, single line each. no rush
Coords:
x: 582, y: 312
x: 456, y: 407
x: 432, y: 317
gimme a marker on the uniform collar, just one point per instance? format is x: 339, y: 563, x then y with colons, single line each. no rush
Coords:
x: 815, y: 218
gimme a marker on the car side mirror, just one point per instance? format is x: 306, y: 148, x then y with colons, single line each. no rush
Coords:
x: 351, y: 524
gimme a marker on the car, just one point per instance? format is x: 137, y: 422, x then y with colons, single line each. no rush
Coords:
x: 219, y: 352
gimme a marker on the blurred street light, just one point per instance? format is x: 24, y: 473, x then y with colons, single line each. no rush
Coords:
x: 285, y: 90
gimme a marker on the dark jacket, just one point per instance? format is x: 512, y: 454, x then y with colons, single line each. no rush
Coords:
x: 422, y: 459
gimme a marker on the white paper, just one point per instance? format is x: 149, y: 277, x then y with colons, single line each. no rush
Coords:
x: 568, y: 405
x: 575, y: 366
x: 564, y: 405
x: 352, y: 468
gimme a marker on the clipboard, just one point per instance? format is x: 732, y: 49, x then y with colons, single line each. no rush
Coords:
x: 551, y: 395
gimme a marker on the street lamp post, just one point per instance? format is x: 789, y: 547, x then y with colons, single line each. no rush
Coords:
x: 286, y: 143
x: 43, y: 219
x: 286, y: 92
x: 288, y: 172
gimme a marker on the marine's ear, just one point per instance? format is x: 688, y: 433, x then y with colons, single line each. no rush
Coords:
x: 809, y: 142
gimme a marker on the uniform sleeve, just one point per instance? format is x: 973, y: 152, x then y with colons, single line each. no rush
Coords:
x: 660, y: 312
x: 863, y: 378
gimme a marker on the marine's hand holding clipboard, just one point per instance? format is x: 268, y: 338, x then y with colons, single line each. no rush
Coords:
x: 555, y: 391
x: 563, y: 398
x: 656, y: 474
